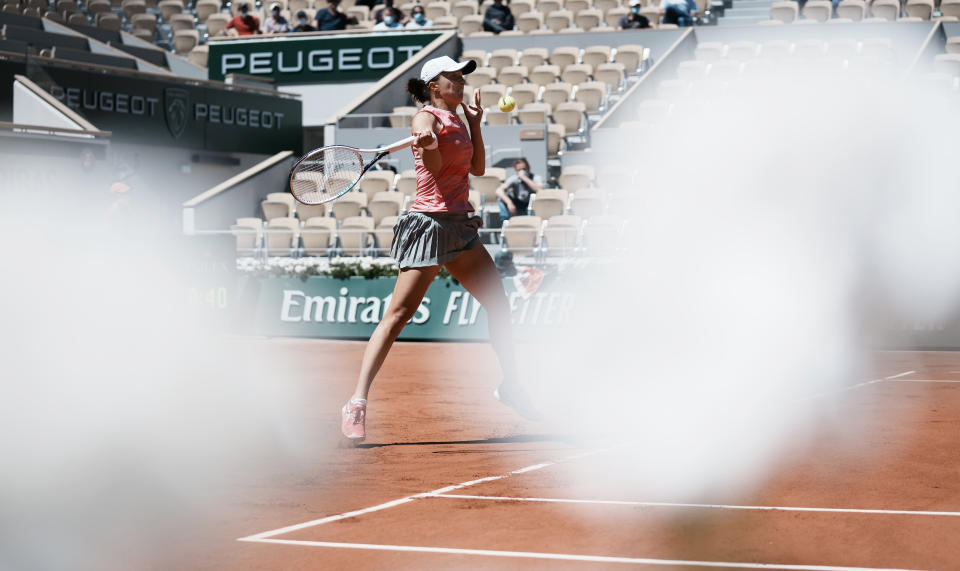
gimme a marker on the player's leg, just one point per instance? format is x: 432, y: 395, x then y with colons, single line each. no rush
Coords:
x: 411, y: 286
x: 478, y: 274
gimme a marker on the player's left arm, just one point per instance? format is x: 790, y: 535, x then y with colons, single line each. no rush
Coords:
x: 474, y: 114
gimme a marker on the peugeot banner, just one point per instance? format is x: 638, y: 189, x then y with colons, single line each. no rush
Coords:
x: 153, y: 110
x: 316, y: 59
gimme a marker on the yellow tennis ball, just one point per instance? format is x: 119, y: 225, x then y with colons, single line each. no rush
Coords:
x: 507, y: 103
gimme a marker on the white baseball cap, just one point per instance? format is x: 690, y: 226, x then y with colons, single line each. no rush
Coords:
x: 635, y: 2
x: 444, y: 64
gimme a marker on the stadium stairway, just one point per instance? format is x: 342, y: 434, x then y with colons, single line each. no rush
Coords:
x: 746, y: 13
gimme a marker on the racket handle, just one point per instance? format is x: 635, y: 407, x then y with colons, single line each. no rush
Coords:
x: 401, y: 144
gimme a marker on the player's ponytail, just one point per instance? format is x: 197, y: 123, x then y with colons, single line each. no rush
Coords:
x: 419, y: 90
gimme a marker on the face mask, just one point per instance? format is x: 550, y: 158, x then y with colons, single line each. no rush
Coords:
x: 635, y: 9
x: 388, y: 20
x: 418, y: 17
x: 303, y: 21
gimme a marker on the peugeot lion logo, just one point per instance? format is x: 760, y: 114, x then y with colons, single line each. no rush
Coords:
x: 175, y: 105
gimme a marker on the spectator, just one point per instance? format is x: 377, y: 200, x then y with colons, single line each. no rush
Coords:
x: 388, y: 8
x: 679, y: 12
x: 391, y: 20
x: 634, y: 20
x: 513, y: 196
x: 276, y: 24
x: 244, y: 23
x: 418, y: 18
x: 331, y: 18
x: 303, y: 24
x: 498, y: 18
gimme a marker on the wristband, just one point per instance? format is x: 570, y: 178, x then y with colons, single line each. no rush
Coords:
x: 435, y: 144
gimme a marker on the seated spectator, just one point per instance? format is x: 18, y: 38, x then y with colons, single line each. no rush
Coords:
x: 634, y: 20
x: 388, y: 8
x: 303, y: 24
x: 276, y: 24
x: 513, y: 196
x: 391, y: 20
x: 418, y: 18
x: 331, y: 18
x: 679, y: 12
x: 498, y: 18
x: 244, y: 23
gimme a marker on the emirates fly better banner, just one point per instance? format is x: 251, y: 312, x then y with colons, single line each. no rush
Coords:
x: 300, y: 59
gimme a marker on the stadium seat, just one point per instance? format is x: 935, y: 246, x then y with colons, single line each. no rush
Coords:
x: 513, y: 75
x: 532, y: 57
x: 491, y: 94
x: 206, y: 8
x: 593, y: 95
x: 384, y: 234
x: 180, y: 22
x: 145, y: 22
x: 319, y: 236
x: 555, y: 140
x: 811, y: 48
x: 108, y: 21
x: 785, y: 12
x: 887, y: 9
x: 922, y: 9
x: 521, y: 234
x: 572, y: 115
x: 777, y: 49
x: 577, y: 6
x: 601, y: 235
x: 481, y: 76
x: 589, y: 19
x: 613, y: 16
x: 543, y: 74
x: 556, y: 93
x: 596, y: 55
x: 479, y: 56
x: 550, y: 202
x: 407, y: 183
x: 386, y: 203
x: 561, y: 235
x: 606, y: 5
x: 471, y: 24
x: 132, y: 7
x: 501, y: 58
x: 652, y: 13
x: 518, y: 7
x: 248, y: 233
x: 611, y: 74
x: 494, y: 116
x: 630, y: 56
x: 282, y: 236
x: 199, y: 56
x: 742, y: 50
x: 464, y: 8
x: 547, y: 6
x: 376, y: 181
x: 950, y: 8
x: 818, y: 10
x: 525, y: 93
x: 528, y: 22
x: 563, y: 56
x: 217, y: 24
x: 350, y: 204
x: 576, y: 73
x: 185, y: 40
x: 402, y: 116
x: 308, y: 211
x: 878, y: 48
x: 169, y: 8
x: 356, y: 235
x: 437, y: 9
x: 533, y: 113
x: 853, y: 9
x: 475, y: 200
x: 587, y: 202
x: 710, y: 51
x: 576, y: 177
x: 278, y: 205
x: 488, y: 183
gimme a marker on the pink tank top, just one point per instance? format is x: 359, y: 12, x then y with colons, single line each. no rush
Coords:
x: 449, y: 191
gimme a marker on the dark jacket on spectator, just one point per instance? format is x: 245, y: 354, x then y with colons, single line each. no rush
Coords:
x: 498, y: 12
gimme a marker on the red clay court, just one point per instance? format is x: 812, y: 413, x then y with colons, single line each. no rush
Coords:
x: 444, y: 491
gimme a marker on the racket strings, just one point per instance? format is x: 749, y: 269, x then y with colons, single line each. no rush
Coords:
x: 325, y: 175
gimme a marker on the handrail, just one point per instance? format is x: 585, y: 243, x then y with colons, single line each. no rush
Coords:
x: 56, y: 103
x: 923, y: 49
x: 53, y: 130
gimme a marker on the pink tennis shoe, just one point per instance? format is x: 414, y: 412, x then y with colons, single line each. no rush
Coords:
x: 352, y: 419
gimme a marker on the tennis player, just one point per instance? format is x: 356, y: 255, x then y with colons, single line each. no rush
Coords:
x: 440, y: 230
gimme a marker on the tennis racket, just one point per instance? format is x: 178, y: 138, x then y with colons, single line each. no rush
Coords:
x: 327, y: 173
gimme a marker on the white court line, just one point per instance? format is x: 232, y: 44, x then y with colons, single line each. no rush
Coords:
x: 890, y: 378
x: 566, y: 556
x: 923, y: 381
x: 857, y: 386
x: 410, y: 498
x: 700, y: 506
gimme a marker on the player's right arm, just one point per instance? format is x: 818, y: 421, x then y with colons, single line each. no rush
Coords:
x: 424, y: 128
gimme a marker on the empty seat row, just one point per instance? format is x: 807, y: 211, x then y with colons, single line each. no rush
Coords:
x: 317, y: 236
x: 631, y: 56
x: 562, y: 235
x: 857, y: 10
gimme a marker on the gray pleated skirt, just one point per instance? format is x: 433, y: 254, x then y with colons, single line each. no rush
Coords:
x: 433, y: 238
